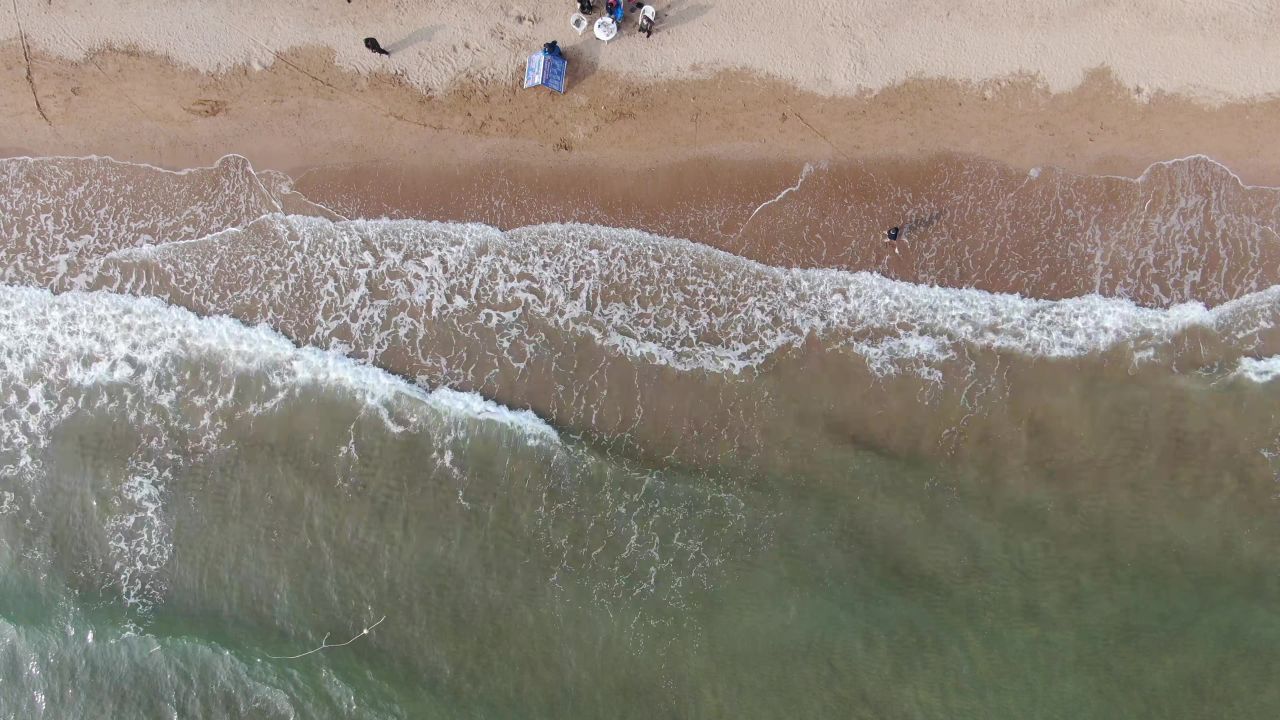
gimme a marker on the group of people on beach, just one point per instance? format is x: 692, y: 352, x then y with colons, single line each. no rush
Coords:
x: 615, y: 9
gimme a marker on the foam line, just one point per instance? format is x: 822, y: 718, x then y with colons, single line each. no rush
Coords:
x: 804, y: 173
x: 122, y: 333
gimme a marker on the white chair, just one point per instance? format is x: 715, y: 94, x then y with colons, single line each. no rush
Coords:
x: 648, y: 16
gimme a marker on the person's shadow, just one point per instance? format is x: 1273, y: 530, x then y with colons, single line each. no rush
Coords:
x: 583, y: 57
x: 679, y: 13
x: 413, y: 38
x: 917, y: 225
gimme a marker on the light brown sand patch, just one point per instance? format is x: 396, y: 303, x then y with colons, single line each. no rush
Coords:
x: 307, y: 112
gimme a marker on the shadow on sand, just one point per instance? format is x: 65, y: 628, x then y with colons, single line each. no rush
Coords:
x: 679, y: 12
x: 413, y: 38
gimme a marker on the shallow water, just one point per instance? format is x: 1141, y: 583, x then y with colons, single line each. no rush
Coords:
x: 441, y: 470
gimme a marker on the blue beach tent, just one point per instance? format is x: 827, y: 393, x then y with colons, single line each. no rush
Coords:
x: 546, y: 70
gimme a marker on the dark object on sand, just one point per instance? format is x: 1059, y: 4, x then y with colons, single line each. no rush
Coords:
x: 374, y: 46
x: 647, y: 17
x: 553, y: 49
x: 892, y: 235
x: 586, y: 7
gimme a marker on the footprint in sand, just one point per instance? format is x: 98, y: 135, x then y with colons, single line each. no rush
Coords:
x: 206, y: 108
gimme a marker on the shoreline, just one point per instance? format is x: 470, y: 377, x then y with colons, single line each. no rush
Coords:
x: 1174, y: 235
x: 1006, y: 188
x: 965, y: 221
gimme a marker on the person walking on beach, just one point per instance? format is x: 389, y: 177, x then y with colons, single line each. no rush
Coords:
x: 375, y: 47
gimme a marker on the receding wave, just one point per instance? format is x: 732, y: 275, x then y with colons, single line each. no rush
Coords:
x: 1185, y: 230
x: 513, y: 314
x: 59, y: 215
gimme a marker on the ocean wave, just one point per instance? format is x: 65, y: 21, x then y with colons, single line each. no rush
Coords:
x: 591, y: 327
x: 88, y: 339
x: 1186, y: 230
x: 60, y: 215
x: 177, y: 382
x: 653, y: 299
x: 1259, y: 370
x: 164, y: 406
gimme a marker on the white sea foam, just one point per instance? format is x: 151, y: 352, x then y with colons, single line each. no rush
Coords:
x: 139, y: 535
x: 665, y: 301
x: 174, y: 381
x: 473, y: 405
x: 60, y: 215
x: 96, y: 338
x: 1259, y: 370
x: 366, y: 287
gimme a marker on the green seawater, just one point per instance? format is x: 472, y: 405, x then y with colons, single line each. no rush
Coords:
x: 294, y: 466
x: 506, y: 574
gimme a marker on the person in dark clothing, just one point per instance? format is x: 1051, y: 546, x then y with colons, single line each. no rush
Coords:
x: 646, y: 19
x: 374, y: 46
x: 892, y: 234
x: 586, y: 7
x: 553, y: 49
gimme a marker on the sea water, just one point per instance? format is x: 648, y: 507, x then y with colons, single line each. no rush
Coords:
x: 260, y: 460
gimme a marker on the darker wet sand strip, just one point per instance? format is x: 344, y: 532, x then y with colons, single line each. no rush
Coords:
x: 1185, y: 231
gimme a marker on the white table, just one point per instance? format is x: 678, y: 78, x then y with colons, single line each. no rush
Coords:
x: 606, y: 28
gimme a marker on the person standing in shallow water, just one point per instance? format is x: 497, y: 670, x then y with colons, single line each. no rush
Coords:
x: 891, y: 237
x: 374, y: 46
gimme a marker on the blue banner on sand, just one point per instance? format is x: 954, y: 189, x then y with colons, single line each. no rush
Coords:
x: 546, y: 70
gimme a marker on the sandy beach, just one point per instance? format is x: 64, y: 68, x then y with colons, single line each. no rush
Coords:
x: 1096, y: 89
x: 305, y: 111
x: 612, y: 153
x: 1217, y: 51
x: 710, y: 112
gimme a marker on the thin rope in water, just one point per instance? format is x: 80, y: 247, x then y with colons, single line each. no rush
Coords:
x: 324, y: 643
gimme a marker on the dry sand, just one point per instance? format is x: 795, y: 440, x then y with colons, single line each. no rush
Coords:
x: 1217, y: 50
x: 1098, y: 87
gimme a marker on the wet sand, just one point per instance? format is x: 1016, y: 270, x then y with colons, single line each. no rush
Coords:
x: 1185, y: 231
x: 306, y: 112
x: 966, y: 169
